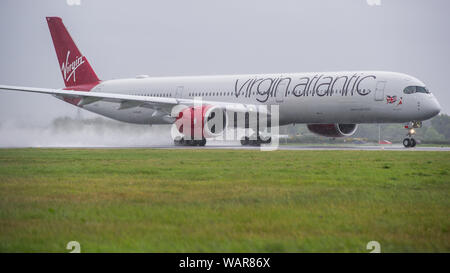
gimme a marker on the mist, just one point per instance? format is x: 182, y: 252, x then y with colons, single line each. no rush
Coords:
x: 82, y: 132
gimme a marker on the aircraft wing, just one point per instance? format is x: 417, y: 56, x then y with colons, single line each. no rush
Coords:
x: 130, y: 101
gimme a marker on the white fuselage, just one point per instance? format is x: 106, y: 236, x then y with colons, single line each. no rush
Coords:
x: 328, y: 97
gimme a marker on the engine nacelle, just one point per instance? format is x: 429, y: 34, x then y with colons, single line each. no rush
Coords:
x: 202, y: 122
x: 333, y: 130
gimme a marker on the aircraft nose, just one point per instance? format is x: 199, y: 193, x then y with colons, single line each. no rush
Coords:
x: 429, y: 107
x: 434, y: 108
x: 437, y: 107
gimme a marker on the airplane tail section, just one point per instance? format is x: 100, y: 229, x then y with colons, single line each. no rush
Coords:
x: 75, y: 68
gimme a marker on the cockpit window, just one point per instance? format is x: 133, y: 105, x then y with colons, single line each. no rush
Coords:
x: 420, y: 89
x: 409, y: 90
x: 416, y: 89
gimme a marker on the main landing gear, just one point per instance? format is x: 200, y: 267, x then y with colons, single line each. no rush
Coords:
x: 181, y: 141
x: 255, y: 141
x: 409, y: 141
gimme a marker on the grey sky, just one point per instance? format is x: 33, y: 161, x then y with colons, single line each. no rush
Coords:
x: 193, y: 37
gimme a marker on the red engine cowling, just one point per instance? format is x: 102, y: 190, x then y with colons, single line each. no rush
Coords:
x: 333, y: 130
x: 201, y: 122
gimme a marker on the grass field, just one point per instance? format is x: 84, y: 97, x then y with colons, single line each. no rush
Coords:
x: 144, y: 200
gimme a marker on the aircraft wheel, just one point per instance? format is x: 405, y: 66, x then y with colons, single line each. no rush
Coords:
x: 202, y: 142
x: 244, y: 141
x: 255, y: 142
x: 178, y: 141
x: 266, y: 140
x: 407, y: 142
x: 190, y: 142
x: 413, y: 142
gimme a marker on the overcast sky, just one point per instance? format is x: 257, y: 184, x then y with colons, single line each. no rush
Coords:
x: 193, y: 37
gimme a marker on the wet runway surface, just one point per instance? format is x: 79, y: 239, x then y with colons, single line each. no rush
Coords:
x: 312, y: 147
x: 213, y: 146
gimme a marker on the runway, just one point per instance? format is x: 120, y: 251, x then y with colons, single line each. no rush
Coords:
x: 283, y: 147
x: 312, y: 148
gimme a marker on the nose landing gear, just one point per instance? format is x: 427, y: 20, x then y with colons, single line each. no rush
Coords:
x: 409, y: 141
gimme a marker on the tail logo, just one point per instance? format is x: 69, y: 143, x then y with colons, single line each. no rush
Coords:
x: 69, y: 70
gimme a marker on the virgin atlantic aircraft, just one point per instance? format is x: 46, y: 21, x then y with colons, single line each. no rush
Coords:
x: 332, y: 104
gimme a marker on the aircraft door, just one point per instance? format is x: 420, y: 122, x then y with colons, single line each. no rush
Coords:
x: 179, y: 92
x: 379, y: 91
x: 280, y: 90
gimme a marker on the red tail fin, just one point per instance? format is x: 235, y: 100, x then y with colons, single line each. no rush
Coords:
x: 75, y: 68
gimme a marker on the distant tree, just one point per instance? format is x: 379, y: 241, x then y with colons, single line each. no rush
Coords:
x: 432, y: 135
x: 441, y: 124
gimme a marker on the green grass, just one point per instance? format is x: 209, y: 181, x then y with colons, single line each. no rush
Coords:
x: 145, y: 200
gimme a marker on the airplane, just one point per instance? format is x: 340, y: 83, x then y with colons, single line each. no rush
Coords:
x: 332, y: 104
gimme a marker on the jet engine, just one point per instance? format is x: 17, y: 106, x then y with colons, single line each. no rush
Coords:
x: 201, y: 122
x: 333, y: 130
